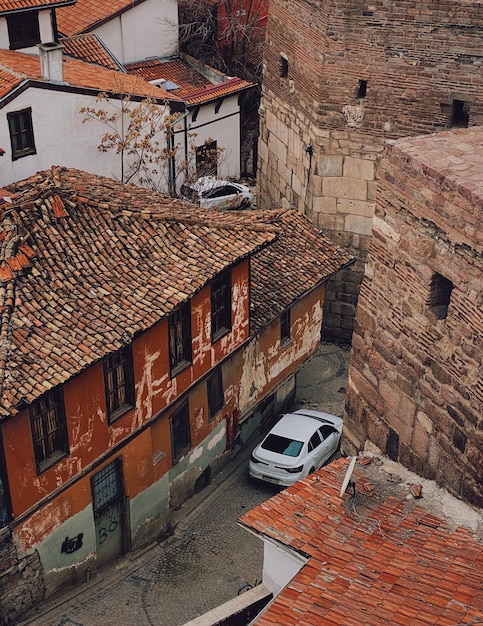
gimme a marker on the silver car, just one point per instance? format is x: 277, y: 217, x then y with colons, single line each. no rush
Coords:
x: 297, y: 445
x: 211, y: 192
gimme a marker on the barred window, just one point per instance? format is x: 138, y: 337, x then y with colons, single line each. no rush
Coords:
x: 179, y: 329
x: 48, y: 425
x: 221, y: 306
x: 216, y: 398
x: 180, y: 432
x: 119, y: 383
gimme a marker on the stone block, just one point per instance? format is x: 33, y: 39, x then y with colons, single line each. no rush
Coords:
x: 358, y: 168
x: 324, y: 205
x: 355, y: 207
x: 357, y: 224
x: 342, y: 187
x: 330, y: 165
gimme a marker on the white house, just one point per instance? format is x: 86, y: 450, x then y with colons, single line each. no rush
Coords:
x: 132, y: 31
x: 143, y: 37
x: 43, y: 89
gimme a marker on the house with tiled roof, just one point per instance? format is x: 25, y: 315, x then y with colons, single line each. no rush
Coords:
x: 45, y: 87
x: 138, y: 343
x: 131, y: 30
x: 386, y: 550
x: 143, y: 38
x: 42, y: 92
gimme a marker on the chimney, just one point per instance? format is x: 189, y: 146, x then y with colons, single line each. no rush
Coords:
x: 51, y: 59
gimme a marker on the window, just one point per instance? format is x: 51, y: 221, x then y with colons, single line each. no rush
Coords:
x: 207, y: 159
x: 21, y: 133
x: 221, y: 192
x: 460, y: 114
x: 119, y: 383
x: 439, y: 296
x: 285, y: 327
x: 216, y: 398
x: 362, y: 89
x: 180, y: 432
x: 221, y: 306
x: 47, y: 419
x: 315, y: 441
x: 179, y: 329
x: 326, y: 431
x: 283, y: 66
x: 23, y: 29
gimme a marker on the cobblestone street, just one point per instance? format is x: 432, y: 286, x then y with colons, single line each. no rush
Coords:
x: 209, y: 557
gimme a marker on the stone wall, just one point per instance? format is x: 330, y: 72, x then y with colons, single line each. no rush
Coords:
x: 415, y: 379
x: 354, y: 76
x: 21, y: 580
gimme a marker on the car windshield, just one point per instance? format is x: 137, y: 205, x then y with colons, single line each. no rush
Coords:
x: 282, y: 445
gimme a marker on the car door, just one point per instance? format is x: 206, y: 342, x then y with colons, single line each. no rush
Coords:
x: 314, y: 449
x: 330, y: 440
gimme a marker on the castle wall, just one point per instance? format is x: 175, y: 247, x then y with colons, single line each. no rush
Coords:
x: 339, y: 80
x: 415, y: 379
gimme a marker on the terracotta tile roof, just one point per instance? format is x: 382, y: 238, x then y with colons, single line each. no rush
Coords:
x: 17, y: 67
x: 87, y: 262
x: 86, y: 14
x: 8, y: 6
x: 90, y: 48
x: 375, y: 559
x: 299, y: 260
x: 194, y: 88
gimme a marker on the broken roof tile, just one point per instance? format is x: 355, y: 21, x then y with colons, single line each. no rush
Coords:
x: 396, y: 565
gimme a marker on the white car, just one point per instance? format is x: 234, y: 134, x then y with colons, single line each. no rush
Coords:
x: 211, y: 192
x: 297, y: 445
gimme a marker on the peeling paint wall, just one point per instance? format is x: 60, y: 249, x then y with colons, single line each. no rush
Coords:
x: 54, y: 511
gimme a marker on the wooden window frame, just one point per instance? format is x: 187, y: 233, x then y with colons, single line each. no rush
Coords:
x: 180, y: 431
x: 23, y: 29
x: 119, y: 383
x: 49, y: 430
x: 206, y: 158
x: 21, y: 130
x: 180, y: 339
x: 285, y: 327
x: 221, y: 323
x: 215, y: 391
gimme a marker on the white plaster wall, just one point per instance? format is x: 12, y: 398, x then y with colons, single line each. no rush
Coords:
x: 223, y: 126
x: 280, y: 565
x: 60, y: 136
x: 146, y: 30
x: 46, y: 33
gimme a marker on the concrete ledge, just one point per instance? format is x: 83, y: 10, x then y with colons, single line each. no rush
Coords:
x: 247, y: 604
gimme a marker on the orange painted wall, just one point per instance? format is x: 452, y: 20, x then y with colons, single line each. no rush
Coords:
x: 90, y: 436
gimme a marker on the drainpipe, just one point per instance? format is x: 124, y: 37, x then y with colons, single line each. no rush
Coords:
x: 171, y: 146
x: 310, y: 151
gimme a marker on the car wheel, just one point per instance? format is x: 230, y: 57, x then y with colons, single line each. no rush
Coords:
x: 245, y: 204
x: 312, y: 469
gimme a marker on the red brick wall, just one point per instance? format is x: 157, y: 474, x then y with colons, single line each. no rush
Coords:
x: 320, y: 144
x: 415, y: 56
x: 416, y: 389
